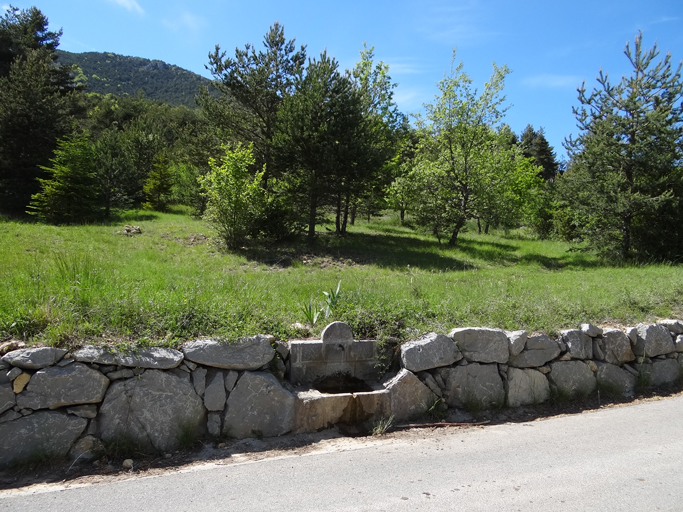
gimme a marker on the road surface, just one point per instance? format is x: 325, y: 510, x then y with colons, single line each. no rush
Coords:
x: 622, y: 458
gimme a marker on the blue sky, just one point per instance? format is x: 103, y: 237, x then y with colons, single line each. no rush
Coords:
x: 551, y: 46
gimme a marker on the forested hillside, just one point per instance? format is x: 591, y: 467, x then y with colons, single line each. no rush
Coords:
x: 122, y: 75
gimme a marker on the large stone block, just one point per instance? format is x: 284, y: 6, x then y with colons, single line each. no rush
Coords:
x: 572, y: 378
x: 653, y: 340
x: 34, y: 358
x: 153, y: 410
x: 675, y: 326
x: 538, y: 351
x: 337, y: 332
x: 481, y: 344
x: 154, y: 358
x: 7, y: 400
x: 215, y: 395
x: 56, y: 386
x: 617, y: 347
x: 665, y: 372
x: 615, y: 380
x: 246, y: 354
x: 317, y: 411
x: 409, y: 396
x: 517, y: 341
x: 41, y: 434
x: 526, y: 387
x: 579, y: 344
x: 259, y: 406
x: 475, y: 386
x: 430, y: 351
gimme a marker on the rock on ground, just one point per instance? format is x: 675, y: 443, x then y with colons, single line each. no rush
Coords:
x: 34, y: 358
x: 258, y: 406
x: 579, y: 344
x: 475, y: 386
x: 653, y: 340
x: 617, y: 347
x: 409, y: 396
x: 246, y: 354
x: 59, y: 386
x: 572, y: 378
x: 526, y: 387
x: 153, y: 411
x: 614, y: 380
x: 87, y: 449
x: 430, y: 351
x: 43, y: 434
x: 481, y: 344
x: 538, y: 351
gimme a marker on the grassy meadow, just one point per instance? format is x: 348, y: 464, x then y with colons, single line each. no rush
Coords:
x: 68, y: 285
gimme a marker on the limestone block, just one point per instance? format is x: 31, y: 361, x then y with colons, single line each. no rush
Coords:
x: 430, y: 351
x: 87, y: 449
x: 7, y: 395
x: 246, y: 354
x: 258, y: 406
x: 617, y: 347
x: 598, y: 349
x: 56, y: 386
x: 538, y: 351
x: 591, y: 330
x: 34, y: 358
x: 474, y: 386
x: 155, y: 358
x: 481, y: 344
x: 675, y: 326
x: 615, y: 380
x: 46, y: 433
x: 572, y: 378
x: 409, y: 396
x: 199, y: 380
x: 517, y: 341
x: 430, y: 382
x: 20, y: 382
x: 579, y: 344
x: 665, y: 372
x: 215, y: 395
x: 526, y: 387
x: 126, y: 373
x: 213, y: 424
x: 10, y: 415
x: 152, y: 410
x: 231, y: 379
x: 13, y: 374
x: 337, y: 332
x: 653, y: 340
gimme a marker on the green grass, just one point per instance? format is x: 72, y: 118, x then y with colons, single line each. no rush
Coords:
x: 74, y: 284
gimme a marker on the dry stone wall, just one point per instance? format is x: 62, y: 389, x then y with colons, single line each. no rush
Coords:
x: 54, y: 403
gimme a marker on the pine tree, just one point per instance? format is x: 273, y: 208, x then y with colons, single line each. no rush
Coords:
x: 70, y: 193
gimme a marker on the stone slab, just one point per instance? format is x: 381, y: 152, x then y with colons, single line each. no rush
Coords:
x: 34, y: 358
x: 246, y: 354
x: 481, y: 344
x: 430, y: 351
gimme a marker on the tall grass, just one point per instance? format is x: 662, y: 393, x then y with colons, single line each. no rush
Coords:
x: 72, y: 284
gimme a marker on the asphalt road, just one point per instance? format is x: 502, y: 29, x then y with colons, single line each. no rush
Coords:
x: 624, y: 458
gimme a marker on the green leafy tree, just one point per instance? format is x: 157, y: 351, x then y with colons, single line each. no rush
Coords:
x: 459, y: 147
x: 235, y: 198
x: 320, y: 138
x: 158, y: 187
x: 70, y: 194
x: 535, y: 145
x: 252, y: 86
x: 625, y: 181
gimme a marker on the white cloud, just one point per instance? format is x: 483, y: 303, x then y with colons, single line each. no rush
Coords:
x: 186, y: 21
x: 456, y: 24
x: 129, y: 5
x: 552, y: 81
x: 5, y: 7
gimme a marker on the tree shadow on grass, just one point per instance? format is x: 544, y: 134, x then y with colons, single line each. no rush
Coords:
x: 398, y: 251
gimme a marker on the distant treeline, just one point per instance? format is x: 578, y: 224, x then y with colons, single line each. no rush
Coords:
x: 283, y: 141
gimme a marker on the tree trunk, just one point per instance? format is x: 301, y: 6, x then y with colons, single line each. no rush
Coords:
x: 353, y: 213
x: 346, y: 213
x: 626, y: 237
x: 337, y: 220
x: 478, y: 226
x: 486, y: 229
x: 403, y: 216
x: 456, y: 230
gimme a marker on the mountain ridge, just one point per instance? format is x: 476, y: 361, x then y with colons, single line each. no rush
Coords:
x: 106, y: 73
